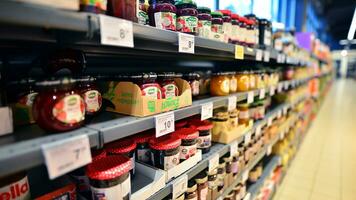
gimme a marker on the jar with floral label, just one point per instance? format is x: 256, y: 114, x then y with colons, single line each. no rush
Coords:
x: 187, y: 20
x: 169, y: 87
x: 204, y: 23
x: 220, y: 84
x: 189, y: 137
x: 227, y: 26
x: 142, y: 150
x: 90, y: 94
x: 165, y: 151
x: 162, y: 14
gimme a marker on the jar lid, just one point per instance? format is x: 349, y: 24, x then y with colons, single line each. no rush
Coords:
x: 109, y: 167
x: 98, y: 154
x: 225, y: 12
x: 251, y: 16
x: 165, y: 142
x: 235, y: 16
x: 190, y: 133
x: 204, y: 125
x: 144, y: 137
x: 217, y: 14
x: 183, y: 2
x: 203, y: 9
x: 121, y: 146
x: 192, y: 186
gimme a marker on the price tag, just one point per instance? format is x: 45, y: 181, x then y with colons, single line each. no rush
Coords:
x: 207, y: 111
x: 281, y: 135
x: 245, y: 176
x: 247, y: 138
x: 179, y: 186
x: 250, y: 97
x: 247, y: 196
x: 233, y: 148
x: 239, y: 52
x: 231, y: 104
x: 164, y: 124
x: 115, y: 31
x: 279, y: 114
x: 280, y: 87
x: 283, y: 58
x: 269, y: 121
x: 279, y: 161
x: 258, y: 130
x: 214, y: 162
x: 266, y: 56
x: 285, y: 110
x: 66, y: 155
x: 186, y: 43
x: 272, y: 90
x: 262, y: 93
x: 269, y: 150
x: 259, y: 54
x: 286, y: 85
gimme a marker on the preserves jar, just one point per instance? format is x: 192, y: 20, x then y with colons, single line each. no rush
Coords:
x: 221, y: 124
x: 81, y: 181
x: 213, y: 178
x: 235, y: 165
x: 235, y: 29
x: 204, y: 23
x: 217, y: 22
x: 93, y: 6
x: 181, y: 124
x: 123, y: 9
x: 169, y: 87
x: 189, y: 137
x: 255, y: 21
x: 126, y: 147
x: 252, y: 78
x: 191, y: 193
x: 90, y: 94
x: 148, y: 85
x: 220, y: 84
x: 142, y: 150
x: 243, y: 31
x: 233, y: 82
x: 65, y: 62
x: 253, y: 175
x: 250, y: 30
x: 243, y: 81
x: 265, y: 33
x: 162, y: 14
x: 65, y: 108
x: 16, y: 182
x: 110, y: 178
x: 244, y: 116
x: 165, y: 151
x: 228, y: 162
x: 204, y: 82
x: 227, y: 26
x: 187, y: 19
x: 221, y: 174
x: 204, y: 139
x: 202, y: 185
x: 193, y: 80
x: 143, y: 12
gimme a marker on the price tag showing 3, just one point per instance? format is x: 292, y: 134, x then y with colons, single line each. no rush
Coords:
x: 164, y: 124
x: 207, y: 111
x: 66, y: 155
x: 115, y: 31
x: 179, y: 186
x: 186, y: 43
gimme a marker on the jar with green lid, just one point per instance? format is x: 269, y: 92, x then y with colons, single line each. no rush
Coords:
x: 217, y: 26
x: 202, y: 185
x: 191, y: 193
x: 187, y: 16
x: 204, y: 23
x: 244, y: 116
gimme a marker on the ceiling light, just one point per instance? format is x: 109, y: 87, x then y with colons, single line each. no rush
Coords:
x: 352, y: 29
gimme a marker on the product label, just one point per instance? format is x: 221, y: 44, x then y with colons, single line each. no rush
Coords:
x: 195, y: 87
x: 244, y: 114
x: 170, y: 90
x: 142, y: 17
x: 19, y: 190
x: 143, y: 155
x: 233, y: 84
x: 82, y: 183
x: 268, y: 38
x: 70, y: 109
x: 204, y: 142
x: 204, y: 28
x: 120, y: 191
x: 217, y: 28
x: 250, y: 36
x: 166, y: 20
x: 92, y: 100
x: 171, y: 161
x: 227, y: 31
x: 187, y: 24
x: 187, y: 151
x: 151, y: 92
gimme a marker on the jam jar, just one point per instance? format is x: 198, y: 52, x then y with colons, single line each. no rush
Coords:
x: 125, y: 147
x: 169, y: 87
x: 65, y: 108
x: 64, y: 61
x: 204, y: 139
x: 90, y: 94
x: 93, y: 6
x: 109, y: 178
x: 217, y: 25
x: 243, y: 81
x: 162, y: 14
x: 123, y: 9
x: 191, y: 193
x: 220, y: 84
x: 233, y: 118
x: 233, y: 82
x: 18, y: 182
x: 221, y: 174
x: 148, y: 85
x: 235, y: 29
x: 204, y: 23
x: 244, y: 116
x: 193, y: 80
x: 227, y: 26
x: 189, y: 137
x: 243, y: 31
x: 202, y: 185
x: 142, y: 149
x: 165, y: 151
x: 187, y: 20
x: 250, y: 30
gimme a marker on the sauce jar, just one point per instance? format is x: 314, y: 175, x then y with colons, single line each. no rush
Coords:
x: 93, y: 6
x: 187, y: 21
x: 189, y: 137
x: 148, y: 85
x: 169, y: 87
x: 193, y: 80
x: 165, y: 151
x: 243, y: 81
x: 202, y: 185
x: 90, y: 94
x: 244, y: 116
x: 126, y: 147
x: 65, y: 108
x: 162, y: 14
x: 233, y: 82
x: 191, y: 193
x: 217, y: 25
x: 123, y: 9
x: 142, y: 150
x: 204, y: 23
x: 110, y: 178
x: 227, y: 26
x: 204, y: 139
x: 235, y: 29
x: 220, y: 84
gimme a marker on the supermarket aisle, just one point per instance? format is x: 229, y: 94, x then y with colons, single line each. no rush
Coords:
x: 325, y: 166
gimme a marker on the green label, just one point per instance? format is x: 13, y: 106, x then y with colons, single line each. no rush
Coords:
x: 151, y: 105
x: 170, y: 104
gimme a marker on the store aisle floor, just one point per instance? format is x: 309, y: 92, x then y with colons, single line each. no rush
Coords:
x: 325, y: 166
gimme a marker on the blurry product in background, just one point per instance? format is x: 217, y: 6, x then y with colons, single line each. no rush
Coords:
x: 191, y: 193
x: 217, y: 26
x: 220, y: 84
x: 193, y: 80
x: 162, y: 14
x: 90, y: 94
x: 64, y: 62
x: 169, y: 87
x: 227, y: 26
x: 68, y: 192
x: 204, y: 23
x: 94, y: 6
x: 143, y: 13
x: 124, y: 9
x: 143, y: 151
x: 265, y: 33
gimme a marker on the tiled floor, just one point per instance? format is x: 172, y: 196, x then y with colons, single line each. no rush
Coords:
x: 325, y: 166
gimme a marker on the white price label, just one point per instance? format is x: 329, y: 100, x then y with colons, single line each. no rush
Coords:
x: 258, y: 130
x: 214, y: 162
x: 247, y: 138
x: 266, y: 56
x: 259, y: 54
x: 207, y: 111
x: 262, y: 93
x: 280, y: 87
x: 286, y: 85
x: 179, y: 186
x: 279, y: 114
x: 66, y: 155
x: 245, y: 176
x: 247, y: 196
x: 164, y: 124
x: 233, y: 148
x: 280, y: 58
x: 250, y: 97
x: 231, y: 104
x: 272, y: 90
x: 281, y: 135
x: 269, y: 150
x: 186, y: 43
x: 115, y: 31
x: 285, y: 110
x: 269, y: 121
x: 279, y: 161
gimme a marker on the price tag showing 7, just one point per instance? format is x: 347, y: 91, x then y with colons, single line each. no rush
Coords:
x: 66, y: 155
x: 164, y: 124
x: 207, y: 111
x: 186, y: 43
x: 179, y: 186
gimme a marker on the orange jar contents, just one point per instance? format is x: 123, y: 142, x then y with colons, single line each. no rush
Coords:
x: 220, y: 84
x: 243, y: 81
x: 253, y: 77
x: 244, y: 116
x: 233, y: 82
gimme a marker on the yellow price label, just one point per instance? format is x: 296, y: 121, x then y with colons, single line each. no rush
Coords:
x: 239, y: 52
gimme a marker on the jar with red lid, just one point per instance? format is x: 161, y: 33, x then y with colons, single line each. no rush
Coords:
x: 250, y: 30
x: 169, y: 87
x: 142, y: 150
x: 162, y: 14
x: 189, y: 137
x: 109, y: 178
x: 93, y: 6
x: 235, y: 29
x: 193, y: 80
x: 243, y: 31
x: 148, y: 84
x: 204, y: 23
x: 256, y: 24
x: 181, y: 124
x: 165, y: 151
x: 204, y: 139
x: 126, y: 147
x: 91, y: 95
x: 227, y: 26
x: 187, y: 20
x: 65, y: 108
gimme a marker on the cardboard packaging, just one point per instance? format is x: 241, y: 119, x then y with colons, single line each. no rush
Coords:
x: 227, y: 136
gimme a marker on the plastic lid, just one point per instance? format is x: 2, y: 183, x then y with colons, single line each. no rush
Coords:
x: 165, y: 142
x: 225, y: 12
x: 109, y: 167
x: 190, y: 133
x: 235, y: 16
x: 203, y: 9
x: 217, y: 14
x: 98, y: 154
x: 121, y: 146
x: 144, y: 137
x: 202, y: 125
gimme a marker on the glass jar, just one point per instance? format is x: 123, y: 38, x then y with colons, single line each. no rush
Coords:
x: 187, y: 21
x: 235, y: 165
x: 204, y: 82
x: 233, y: 82
x: 243, y: 31
x: 148, y: 84
x: 265, y: 33
x: 236, y: 191
x: 193, y: 80
x: 189, y: 137
x: 250, y: 36
x: 243, y: 81
x: 235, y: 29
x: 259, y: 80
x: 252, y: 78
x: 142, y: 150
x: 65, y: 108
x: 191, y: 193
x: 165, y: 151
x: 253, y: 176
x: 143, y: 12
x: 91, y: 95
x: 260, y: 109
x: 244, y: 116
x: 204, y: 23
x: 202, y: 185
x: 220, y: 84
x: 169, y: 87
x: 221, y: 123
x: 127, y: 9
x: 221, y: 174
x: 217, y: 22
x: 15, y: 186
x: 204, y: 139
x: 233, y: 118
x: 255, y: 21
x: 93, y: 6
x: 162, y: 14
x: 228, y: 162
x: 227, y: 26
x: 110, y: 177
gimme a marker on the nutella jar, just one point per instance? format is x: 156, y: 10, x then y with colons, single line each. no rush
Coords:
x: 202, y: 185
x: 15, y: 187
